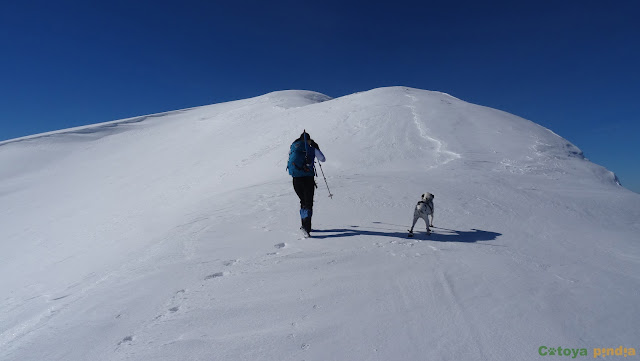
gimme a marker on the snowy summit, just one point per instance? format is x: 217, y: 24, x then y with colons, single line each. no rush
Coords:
x: 174, y: 236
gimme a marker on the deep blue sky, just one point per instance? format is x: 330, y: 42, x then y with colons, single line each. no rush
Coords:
x: 571, y: 66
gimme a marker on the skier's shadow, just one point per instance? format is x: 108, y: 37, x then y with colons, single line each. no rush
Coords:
x: 438, y: 234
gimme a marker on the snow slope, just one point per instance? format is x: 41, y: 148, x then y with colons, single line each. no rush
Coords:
x: 174, y: 237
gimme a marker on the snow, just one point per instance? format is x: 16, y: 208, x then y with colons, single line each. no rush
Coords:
x: 175, y: 236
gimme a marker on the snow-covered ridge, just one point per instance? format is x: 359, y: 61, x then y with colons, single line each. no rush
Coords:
x: 88, y: 129
x: 283, y: 99
x: 174, y: 236
x: 296, y: 98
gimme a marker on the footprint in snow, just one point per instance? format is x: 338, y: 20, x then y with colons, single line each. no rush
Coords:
x: 215, y: 275
x: 178, y: 298
x: 280, y: 245
x: 126, y: 340
x: 230, y: 262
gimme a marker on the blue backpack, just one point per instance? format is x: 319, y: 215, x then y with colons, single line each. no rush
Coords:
x: 300, y: 160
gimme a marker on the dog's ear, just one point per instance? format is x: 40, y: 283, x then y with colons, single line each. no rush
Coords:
x: 433, y: 196
x: 422, y: 196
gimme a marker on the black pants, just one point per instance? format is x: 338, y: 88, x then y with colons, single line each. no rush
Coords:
x: 305, y: 187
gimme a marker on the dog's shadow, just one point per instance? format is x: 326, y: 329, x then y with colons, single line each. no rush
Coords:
x: 438, y: 234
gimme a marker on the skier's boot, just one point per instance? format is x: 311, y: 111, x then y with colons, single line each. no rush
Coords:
x: 305, y: 217
x: 306, y: 224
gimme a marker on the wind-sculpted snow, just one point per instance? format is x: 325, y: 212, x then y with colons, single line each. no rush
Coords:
x: 175, y: 236
x: 295, y: 98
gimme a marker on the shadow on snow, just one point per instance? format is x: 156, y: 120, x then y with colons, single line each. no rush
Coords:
x: 438, y: 234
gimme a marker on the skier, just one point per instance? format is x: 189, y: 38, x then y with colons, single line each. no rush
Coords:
x: 302, y: 153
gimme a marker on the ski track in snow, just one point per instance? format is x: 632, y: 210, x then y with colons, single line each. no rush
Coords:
x: 459, y: 315
x: 444, y: 156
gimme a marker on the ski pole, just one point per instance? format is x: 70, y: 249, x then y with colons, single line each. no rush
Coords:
x: 325, y: 181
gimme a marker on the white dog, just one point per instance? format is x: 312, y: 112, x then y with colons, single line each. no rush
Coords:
x: 423, y: 210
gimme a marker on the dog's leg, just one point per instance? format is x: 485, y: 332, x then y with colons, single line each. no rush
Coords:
x: 415, y: 219
x: 431, y: 225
